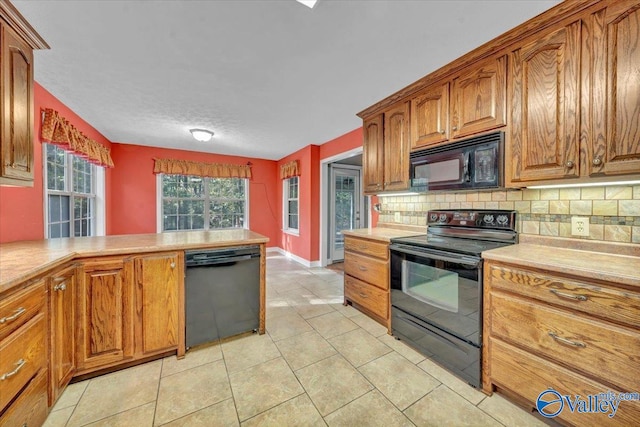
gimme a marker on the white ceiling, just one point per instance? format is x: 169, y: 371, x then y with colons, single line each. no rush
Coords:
x: 267, y: 76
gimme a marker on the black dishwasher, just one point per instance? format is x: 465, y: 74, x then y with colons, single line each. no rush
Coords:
x: 222, y: 288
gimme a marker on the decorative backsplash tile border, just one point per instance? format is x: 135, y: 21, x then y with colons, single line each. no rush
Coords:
x: 613, y: 211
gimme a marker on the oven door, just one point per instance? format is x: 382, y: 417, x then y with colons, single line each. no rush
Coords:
x: 441, y: 289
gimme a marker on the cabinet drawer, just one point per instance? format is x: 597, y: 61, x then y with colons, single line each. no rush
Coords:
x: 583, y: 344
x: 22, y: 354
x: 369, y: 269
x: 528, y: 376
x: 20, y: 307
x: 367, y: 296
x: 617, y: 305
x: 30, y: 409
x: 367, y: 247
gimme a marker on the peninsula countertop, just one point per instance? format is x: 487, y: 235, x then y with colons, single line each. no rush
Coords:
x: 24, y: 260
x: 382, y: 234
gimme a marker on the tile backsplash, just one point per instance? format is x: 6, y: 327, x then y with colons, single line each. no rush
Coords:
x: 613, y: 211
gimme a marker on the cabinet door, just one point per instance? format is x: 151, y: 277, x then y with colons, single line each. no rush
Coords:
x: 430, y: 117
x: 479, y: 98
x: 16, y: 73
x: 373, y: 155
x: 157, y: 302
x: 545, y: 128
x: 396, y: 148
x: 62, y: 309
x: 105, y: 314
x: 615, y: 143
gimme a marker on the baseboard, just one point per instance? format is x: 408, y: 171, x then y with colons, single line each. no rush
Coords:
x: 296, y: 258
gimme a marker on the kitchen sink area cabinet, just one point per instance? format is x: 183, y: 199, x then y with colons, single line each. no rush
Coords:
x: 23, y: 355
x: 547, y: 330
x: 62, y: 308
x: 373, y: 154
x: 613, y: 55
x: 105, y: 324
x: 17, y: 42
x: 366, y: 277
x: 545, y: 107
x: 479, y: 98
x: 158, y: 298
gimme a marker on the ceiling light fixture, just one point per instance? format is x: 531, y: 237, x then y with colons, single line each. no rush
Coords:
x: 308, y: 3
x: 201, y: 135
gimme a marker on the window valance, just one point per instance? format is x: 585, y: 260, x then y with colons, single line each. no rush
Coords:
x: 289, y: 169
x: 211, y: 170
x: 57, y: 130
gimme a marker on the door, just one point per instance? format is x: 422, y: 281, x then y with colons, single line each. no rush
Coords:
x: 105, y: 314
x: 546, y: 96
x: 615, y: 127
x: 396, y: 148
x: 430, y: 117
x: 373, y: 155
x: 156, y: 302
x: 346, y: 207
x: 62, y: 292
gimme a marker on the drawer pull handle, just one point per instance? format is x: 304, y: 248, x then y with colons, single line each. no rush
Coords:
x: 363, y: 295
x: 362, y: 268
x: 20, y: 363
x: 569, y: 296
x: 566, y: 341
x: 14, y: 316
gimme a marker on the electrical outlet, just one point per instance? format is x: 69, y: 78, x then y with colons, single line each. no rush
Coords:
x: 579, y: 226
x: 396, y: 217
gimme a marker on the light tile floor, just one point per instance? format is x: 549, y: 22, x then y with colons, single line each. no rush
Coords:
x: 320, y: 363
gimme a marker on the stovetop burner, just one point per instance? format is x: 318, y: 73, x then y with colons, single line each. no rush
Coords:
x: 466, y: 231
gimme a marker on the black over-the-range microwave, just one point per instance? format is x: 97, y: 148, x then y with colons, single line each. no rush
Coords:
x: 475, y: 163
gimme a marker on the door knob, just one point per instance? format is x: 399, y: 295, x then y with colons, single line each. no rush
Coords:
x: 597, y: 161
x: 569, y: 164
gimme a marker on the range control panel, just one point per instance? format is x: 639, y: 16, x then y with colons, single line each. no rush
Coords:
x: 477, y: 218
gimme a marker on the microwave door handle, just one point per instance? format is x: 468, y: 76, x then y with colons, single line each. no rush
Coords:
x: 467, y: 178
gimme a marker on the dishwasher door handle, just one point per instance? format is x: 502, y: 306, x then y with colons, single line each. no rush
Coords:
x: 203, y: 261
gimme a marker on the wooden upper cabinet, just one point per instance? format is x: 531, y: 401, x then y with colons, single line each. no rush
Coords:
x: 16, y: 63
x: 478, y: 98
x: 615, y: 88
x: 396, y: 147
x: 546, y: 107
x: 62, y: 300
x: 430, y: 117
x: 105, y: 314
x: 373, y: 155
x: 156, y: 302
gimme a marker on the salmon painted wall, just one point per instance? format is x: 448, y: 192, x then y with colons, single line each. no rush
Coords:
x: 134, y: 196
x: 22, y: 209
x: 302, y: 245
x: 341, y: 144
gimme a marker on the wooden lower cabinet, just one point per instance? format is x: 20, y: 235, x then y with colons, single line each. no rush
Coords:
x: 104, y: 330
x: 30, y: 408
x: 577, y: 336
x: 62, y: 321
x: 366, y: 277
x: 157, y: 302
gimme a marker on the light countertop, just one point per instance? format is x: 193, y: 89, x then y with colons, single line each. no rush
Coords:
x: 20, y: 261
x: 383, y: 234
x: 600, y: 261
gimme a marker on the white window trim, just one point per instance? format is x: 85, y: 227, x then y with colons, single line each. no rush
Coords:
x: 99, y: 220
x: 285, y: 208
x: 160, y: 220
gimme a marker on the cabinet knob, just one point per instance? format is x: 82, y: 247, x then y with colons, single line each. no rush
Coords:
x: 454, y: 128
x: 442, y: 132
x: 597, y: 161
x: 569, y: 164
x: 60, y: 287
x: 173, y: 265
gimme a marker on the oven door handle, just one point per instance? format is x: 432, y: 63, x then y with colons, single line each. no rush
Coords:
x: 433, y: 254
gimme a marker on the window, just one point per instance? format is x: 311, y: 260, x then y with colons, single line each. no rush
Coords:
x: 196, y: 203
x: 290, y: 200
x: 71, y: 194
